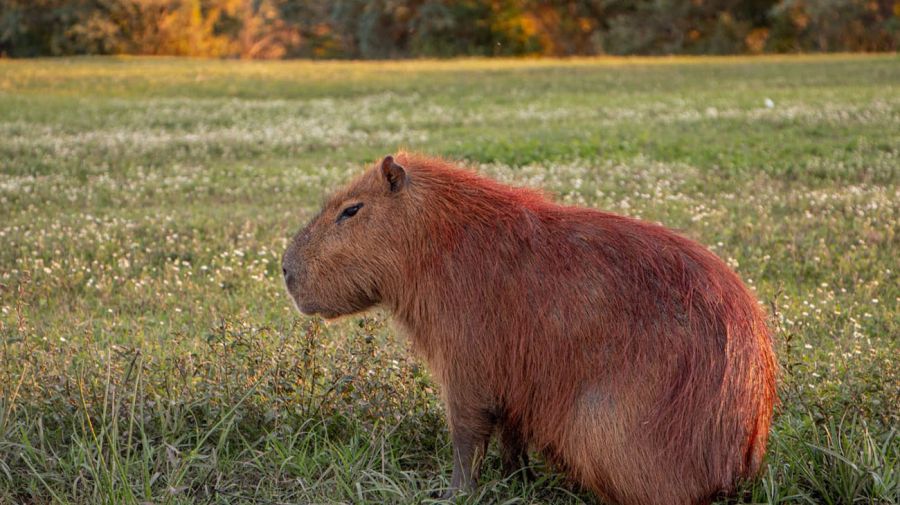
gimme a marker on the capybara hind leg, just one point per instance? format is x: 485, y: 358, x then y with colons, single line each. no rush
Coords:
x: 514, y: 453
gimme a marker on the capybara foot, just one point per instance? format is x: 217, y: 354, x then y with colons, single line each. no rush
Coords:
x: 447, y: 494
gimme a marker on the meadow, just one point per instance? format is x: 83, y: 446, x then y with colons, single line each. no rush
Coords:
x: 150, y: 354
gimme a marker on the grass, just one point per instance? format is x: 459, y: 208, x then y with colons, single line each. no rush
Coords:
x: 149, y: 354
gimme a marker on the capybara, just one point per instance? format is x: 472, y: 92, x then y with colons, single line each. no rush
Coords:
x: 630, y: 357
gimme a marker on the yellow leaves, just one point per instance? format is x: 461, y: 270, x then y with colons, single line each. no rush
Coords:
x: 756, y: 40
x: 193, y: 28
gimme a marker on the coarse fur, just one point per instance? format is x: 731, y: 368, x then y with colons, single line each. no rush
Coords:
x: 629, y: 356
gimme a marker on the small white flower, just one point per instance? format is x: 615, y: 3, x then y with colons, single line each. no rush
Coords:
x: 769, y: 103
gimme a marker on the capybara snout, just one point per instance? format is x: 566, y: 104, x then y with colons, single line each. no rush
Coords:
x: 629, y: 356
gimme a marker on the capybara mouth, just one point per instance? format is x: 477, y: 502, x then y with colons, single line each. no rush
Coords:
x: 292, y: 288
x: 312, y: 309
x: 303, y: 306
x: 307, y: 307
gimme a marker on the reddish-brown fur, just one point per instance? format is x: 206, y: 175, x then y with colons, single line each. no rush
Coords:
x: 631, y: 357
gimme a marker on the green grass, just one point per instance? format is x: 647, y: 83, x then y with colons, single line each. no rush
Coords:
x: 149, y: 354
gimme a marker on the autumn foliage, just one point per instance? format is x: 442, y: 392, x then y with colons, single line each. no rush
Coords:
x: 419, y: 28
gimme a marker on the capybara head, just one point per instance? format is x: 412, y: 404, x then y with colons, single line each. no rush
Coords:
x: 337, y: 264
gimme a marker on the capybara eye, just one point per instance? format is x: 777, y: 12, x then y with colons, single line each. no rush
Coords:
x: 349, y: 212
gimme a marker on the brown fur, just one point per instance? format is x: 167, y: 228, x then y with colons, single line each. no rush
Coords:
x: 628, y: 355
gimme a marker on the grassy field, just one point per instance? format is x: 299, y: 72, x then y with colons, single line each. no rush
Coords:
x: 149, y: 353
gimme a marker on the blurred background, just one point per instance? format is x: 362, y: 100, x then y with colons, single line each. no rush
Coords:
x: 266, y: 29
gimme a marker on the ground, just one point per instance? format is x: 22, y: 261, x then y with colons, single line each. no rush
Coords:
x: 149, y: 353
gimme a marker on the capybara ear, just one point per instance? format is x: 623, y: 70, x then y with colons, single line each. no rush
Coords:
x: 393, y: 173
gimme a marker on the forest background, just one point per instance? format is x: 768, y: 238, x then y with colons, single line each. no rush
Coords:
x: 380, y: 29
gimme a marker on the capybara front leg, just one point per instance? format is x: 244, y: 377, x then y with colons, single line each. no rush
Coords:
x: 514, y: 453
x: 470, y: 442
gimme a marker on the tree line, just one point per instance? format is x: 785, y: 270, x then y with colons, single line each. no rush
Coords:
x: 442, y: 28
